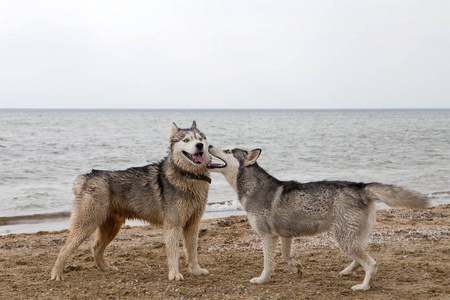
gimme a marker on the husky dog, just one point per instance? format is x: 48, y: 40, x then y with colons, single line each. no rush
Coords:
x: 172, y: 193
x: 288, y: 208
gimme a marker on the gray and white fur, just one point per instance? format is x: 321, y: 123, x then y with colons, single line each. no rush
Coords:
x: 172, y: 193
x: 288, y: 209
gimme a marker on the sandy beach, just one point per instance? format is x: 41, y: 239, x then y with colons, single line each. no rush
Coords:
x: 411, y: 248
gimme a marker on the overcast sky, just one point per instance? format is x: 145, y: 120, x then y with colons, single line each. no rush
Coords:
x: 225, y: 54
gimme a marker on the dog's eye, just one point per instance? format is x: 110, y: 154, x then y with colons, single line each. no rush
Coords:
x: 186, y: 140
x: 227, y: 151
x: 200, y: 139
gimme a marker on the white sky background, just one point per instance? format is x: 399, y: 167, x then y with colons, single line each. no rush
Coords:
x: 225, y: 54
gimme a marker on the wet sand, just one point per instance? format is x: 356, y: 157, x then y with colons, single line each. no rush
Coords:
x: 412, y: 249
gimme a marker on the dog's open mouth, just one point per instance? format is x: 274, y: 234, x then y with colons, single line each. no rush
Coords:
x: 196, y: 158
x: 213, y: 165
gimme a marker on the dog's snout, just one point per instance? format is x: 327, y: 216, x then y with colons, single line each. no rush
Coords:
x: 199, y: 146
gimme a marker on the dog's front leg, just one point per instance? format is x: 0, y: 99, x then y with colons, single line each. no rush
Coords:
x: 172, y: 236
x: 269, y: 244
x: 286, y: 255
x: 190, y: 235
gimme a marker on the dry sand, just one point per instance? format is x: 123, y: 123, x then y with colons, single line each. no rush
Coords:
x: 411, y: 248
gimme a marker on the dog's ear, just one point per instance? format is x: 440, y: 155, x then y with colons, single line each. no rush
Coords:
x: 194, y: 125
x: 174, y: 128
x: 252, y: 156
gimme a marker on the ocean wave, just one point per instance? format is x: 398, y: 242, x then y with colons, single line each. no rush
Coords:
x: 231, y: 205
x: 439, y: 195
x: 30, y: 219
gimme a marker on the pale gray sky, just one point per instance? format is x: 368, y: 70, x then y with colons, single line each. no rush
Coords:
x: 225, y: 54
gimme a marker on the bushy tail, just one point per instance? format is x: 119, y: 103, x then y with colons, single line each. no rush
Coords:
x: 78, y: 184
x: 396, y: 196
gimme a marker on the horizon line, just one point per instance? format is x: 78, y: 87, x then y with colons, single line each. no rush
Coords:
x: 205, y: 109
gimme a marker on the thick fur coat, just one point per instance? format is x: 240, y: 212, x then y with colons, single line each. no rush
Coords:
x: 172, y: 193
x: 286, y: 209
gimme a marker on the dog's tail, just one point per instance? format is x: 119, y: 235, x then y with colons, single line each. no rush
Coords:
x: 78, y: 184
x: 396, y: 196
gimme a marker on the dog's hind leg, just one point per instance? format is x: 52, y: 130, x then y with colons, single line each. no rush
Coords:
x: 269, y: 244
x: 352, y: 229
x: 349, y: 270
x: 355, y: 250
x: 190, y: 236
x: 286, y: 255
x: 369, y: 265
x: 105, y: 234
x: 88, y: 213
x: 78, y: 233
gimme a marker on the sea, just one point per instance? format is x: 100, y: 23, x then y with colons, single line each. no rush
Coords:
x: 43, y: 151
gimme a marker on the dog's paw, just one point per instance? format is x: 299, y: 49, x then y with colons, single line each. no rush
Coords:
x: 296, y: 268
x: 107, y: 268
x: 56, y: 277
x: 198, y: 271
x: 258, y: 280
x: 297, y: 271
x: 346, y: 273
x: 361, y: 287
x: 111, y: 268
x: 176, y: 276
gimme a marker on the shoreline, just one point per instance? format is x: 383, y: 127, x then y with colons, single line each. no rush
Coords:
x: 56, y: 221
x: 51, y: 222
x: 411, y: 248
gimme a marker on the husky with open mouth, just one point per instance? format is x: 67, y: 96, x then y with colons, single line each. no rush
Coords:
x: 288, y: 209
x: 172, y: 193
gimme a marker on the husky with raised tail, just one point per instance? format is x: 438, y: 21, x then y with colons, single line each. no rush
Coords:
x: 288, y: 209
x: 172, y: 193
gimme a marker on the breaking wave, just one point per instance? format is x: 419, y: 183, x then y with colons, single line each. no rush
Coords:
x: 31, y: 219
x: 232, y: 205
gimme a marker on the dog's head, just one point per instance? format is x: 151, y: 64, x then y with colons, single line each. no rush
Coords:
x: 189, y: 149
x: 232, y: 161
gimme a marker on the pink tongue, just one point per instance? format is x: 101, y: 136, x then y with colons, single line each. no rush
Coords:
x: 199, y: 158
